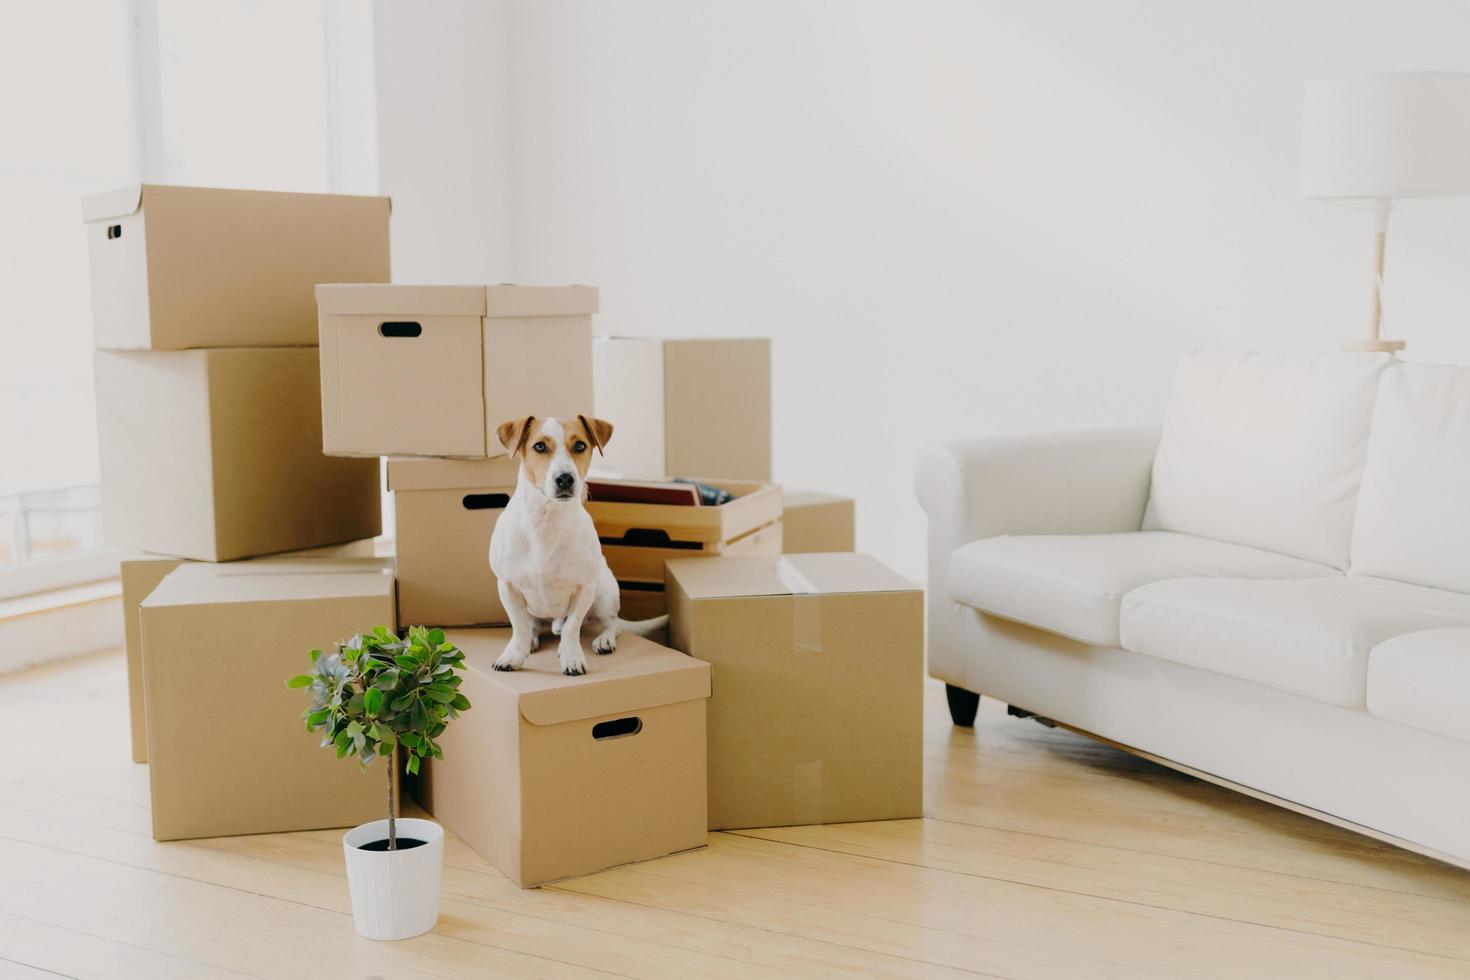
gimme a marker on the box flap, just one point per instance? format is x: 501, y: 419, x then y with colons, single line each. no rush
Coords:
x: 274, y: 580
x: 112, y: 204
x: 508, y: 299
x: 428, y: 473
x: 763, y: 575
x: 641, y: 674
x: 395, y: 299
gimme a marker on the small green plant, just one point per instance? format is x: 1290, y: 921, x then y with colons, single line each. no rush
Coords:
x: 376, y: 693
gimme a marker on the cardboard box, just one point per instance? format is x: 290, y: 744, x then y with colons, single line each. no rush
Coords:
x: 817, y: 714
x: 550, y: 776
x: 228, y: 752
x: 216, y: 455
x: 179, y: 267
x: 637, y: 539
x: 446, y: 510
x: 140, y: 575
x: 684, y: 407
x: 816, y: 522
x: 458, y: 360
x: 641, y: 600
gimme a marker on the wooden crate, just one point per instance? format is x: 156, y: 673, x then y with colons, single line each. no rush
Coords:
x: 631, y: 563
x: 638, y: 538
x: 755, y: 505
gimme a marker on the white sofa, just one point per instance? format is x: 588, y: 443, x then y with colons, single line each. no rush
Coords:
x: 1274, y: 592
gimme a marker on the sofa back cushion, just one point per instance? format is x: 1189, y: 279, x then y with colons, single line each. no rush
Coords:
x: 1266, y: 450
x: 1413, y: 519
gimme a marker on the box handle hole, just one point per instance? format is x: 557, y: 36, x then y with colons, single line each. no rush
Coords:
x: 400, y: 328
x: 486, y: 501
x: 617, y: 728
x: 650, y: 537
x: 114, y: 231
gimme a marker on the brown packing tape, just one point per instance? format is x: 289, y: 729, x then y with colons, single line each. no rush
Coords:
x: 806, y: 611
x: 806, y: 638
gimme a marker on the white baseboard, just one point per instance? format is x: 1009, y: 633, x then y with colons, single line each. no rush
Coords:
x: 57, y: 625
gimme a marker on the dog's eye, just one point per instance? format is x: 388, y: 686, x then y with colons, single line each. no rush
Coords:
x: 540, y: 447
x: 579, y: 447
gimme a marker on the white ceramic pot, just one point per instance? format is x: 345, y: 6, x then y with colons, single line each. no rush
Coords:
x: 395, y: 894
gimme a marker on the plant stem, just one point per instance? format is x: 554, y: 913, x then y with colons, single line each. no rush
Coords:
x: 391, y: 759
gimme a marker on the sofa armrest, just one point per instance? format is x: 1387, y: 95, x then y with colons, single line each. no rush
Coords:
x: 1087, y: 481
x: 1079, y: 482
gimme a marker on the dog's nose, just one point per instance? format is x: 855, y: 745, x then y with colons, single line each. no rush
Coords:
x: 565, y: 481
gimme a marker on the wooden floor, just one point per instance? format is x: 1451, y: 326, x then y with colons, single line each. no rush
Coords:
x: 1043, y: 855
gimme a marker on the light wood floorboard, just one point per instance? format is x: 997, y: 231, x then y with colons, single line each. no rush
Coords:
x: 1043, y: 855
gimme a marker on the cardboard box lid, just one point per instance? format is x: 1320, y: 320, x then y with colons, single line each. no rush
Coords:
x: 504, y: 300
x: 393, y: 299
x: 126, y: 200
x: 769, y: 575
x: 274, y: 580
x: 430, y: 473
x: 509, y: 299
x: 640, y: 674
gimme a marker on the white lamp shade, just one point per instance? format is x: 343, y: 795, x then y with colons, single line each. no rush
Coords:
x: 1398, y: 135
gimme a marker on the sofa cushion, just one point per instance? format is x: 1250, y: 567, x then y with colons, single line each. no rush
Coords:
x: 1308, y: 636
x: 1266, y: 450
x: 1413, y: 519
x: 1073, y: 584
x: 1423, y: 680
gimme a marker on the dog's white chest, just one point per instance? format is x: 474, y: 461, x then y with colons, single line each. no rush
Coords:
x: 547, y: 555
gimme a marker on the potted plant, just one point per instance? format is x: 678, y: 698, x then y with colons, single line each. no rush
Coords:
x: 374, y: 695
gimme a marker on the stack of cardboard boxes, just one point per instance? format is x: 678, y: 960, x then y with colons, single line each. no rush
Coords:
x: 209, y: 430
x: 791, y: 694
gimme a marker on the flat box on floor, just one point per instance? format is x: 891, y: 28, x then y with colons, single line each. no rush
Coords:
x: 817, y: 714
x: 548, y: 776
x: 816, y: 522
x: 228, y: 752
x: 140, y: 575
x: 178, y: 267
x: 685, y: 407
x: 432, y: 370
x: 638, y: 538
x: 445, y: 511
x: 216, y: 455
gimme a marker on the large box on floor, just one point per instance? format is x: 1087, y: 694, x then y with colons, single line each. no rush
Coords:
x: 550, y: 776
x: 217, y: 455
x: 445, y: 511
x: 685, y: 407
x: 228, y: 752
x: 140, y: 575
x: 178, y: 267
x: 815, y: 522
x: 637, y: 538
x: 817, y: 714
x: 432, y: 370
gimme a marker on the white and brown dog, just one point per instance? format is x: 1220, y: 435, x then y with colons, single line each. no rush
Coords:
x: 545, y: 550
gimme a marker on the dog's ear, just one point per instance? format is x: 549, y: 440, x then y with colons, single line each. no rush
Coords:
x: 598, y: 431
x: 513, y: 434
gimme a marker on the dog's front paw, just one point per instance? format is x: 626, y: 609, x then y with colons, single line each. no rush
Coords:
x: 513, y: 657
x: 573, y: 660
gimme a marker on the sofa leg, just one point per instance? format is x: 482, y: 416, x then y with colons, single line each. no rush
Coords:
x: 962, y: 705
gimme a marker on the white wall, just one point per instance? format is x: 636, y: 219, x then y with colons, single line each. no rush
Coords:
x: 953, y: 217
x: 443, y: 92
